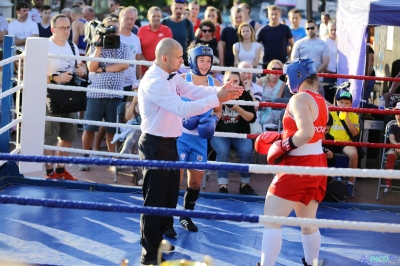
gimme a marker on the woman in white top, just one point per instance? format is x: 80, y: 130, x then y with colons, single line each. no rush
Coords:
x: 272, y: 88
x: 247, y: 49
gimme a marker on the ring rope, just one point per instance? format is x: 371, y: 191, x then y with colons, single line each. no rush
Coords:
x: 238, y: 102
x: 89, y: 122
x: 100, y: 153
x: 221, y: 134
x: 235, y: 69
x: 10, y: 91
x: 95, y: 90
x: 11, y: 59
x: 10, y: 125
x: 232, y: 167
x: 15, y: 151
x: 290, y: 221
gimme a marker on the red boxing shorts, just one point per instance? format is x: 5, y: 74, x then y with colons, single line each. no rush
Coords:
x: 301, y: 188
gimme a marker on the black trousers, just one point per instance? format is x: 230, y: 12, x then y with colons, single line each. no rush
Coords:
x: 160, y: 189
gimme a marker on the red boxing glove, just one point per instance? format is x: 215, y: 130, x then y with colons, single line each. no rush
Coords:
x: 265, y: 140
x: 279, y: 150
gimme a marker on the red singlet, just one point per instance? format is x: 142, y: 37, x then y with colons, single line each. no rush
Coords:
x: 303, y: 188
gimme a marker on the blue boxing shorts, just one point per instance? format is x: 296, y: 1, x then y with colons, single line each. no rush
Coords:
x: 192, y: 148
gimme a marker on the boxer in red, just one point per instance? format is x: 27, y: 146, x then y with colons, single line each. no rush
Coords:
x: 300, y: 144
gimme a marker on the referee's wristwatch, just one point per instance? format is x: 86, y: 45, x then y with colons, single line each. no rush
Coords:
x: 103, y: 68
x: 51, y: 78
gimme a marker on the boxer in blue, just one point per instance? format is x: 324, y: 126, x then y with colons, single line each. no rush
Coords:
x: 192, y: 145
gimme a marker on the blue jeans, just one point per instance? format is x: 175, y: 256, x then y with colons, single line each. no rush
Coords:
x: 244, y: 148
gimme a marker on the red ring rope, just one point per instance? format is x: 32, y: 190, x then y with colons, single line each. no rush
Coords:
x: 338, y: 76
x: 336, y: 108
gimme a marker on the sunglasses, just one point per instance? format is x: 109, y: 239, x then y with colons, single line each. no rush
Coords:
x: 276, y: 68
x: 180, y: 1
x: 204, y: 30
x: 311, y: 28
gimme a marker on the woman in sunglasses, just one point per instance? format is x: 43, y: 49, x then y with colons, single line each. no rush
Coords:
x: 247, y: 49
x: 211, y: 13
x: 272, y: 88
x: 207, y: 29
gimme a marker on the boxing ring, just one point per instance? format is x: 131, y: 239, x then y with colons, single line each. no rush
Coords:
x: 57, y: 222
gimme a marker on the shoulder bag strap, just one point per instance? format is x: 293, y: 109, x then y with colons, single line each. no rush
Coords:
x: 347, y: 129
x: 71, y: 44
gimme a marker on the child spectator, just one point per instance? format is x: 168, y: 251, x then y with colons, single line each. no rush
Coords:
x: 392, y: 154
x: 131, y: 136
x: 44, y: 25
x: 339, y: 131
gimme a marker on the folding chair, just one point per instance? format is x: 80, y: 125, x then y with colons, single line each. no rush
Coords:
x: 120, y: 119
x: 383, y: 158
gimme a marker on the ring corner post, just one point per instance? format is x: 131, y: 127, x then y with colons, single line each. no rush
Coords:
x: 34, y: 101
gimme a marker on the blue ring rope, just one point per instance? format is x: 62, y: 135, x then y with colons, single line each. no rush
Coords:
x: 109, y: 207
x: 126, y: 162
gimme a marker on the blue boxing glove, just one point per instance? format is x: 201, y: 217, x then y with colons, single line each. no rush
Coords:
x: 206, y: 127
x: 190, y: 123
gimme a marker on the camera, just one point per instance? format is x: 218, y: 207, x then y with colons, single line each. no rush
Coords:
x: 76, y: 81
x: 106, y: 40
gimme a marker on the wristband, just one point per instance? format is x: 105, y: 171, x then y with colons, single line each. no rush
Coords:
x: 103, y: 68
x: 51, y: 78
x: 291, y: 143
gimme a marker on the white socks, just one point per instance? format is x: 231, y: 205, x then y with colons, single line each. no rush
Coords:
x: 271, y: 246
x: 311, y: 246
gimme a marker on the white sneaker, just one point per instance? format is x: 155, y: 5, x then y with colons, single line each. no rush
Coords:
x: 83, y: 167
x: 140, y: 182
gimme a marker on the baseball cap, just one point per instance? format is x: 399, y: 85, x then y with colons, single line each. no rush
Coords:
x: 344, y: 94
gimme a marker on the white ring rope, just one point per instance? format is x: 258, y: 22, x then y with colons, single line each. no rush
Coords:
x: 307, y: 170
x: 148, y: 63
x: 11, y: 59
x: 89, y: 122
x: 10, y: 125
x: 95, y: 90
x: 100, y: 153
x: 10, y: 91
x: 334, y: 224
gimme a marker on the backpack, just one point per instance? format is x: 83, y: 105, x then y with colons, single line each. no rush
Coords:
x: 336, y: 191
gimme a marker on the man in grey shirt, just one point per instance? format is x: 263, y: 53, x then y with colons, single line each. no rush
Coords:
x: 314, y: 48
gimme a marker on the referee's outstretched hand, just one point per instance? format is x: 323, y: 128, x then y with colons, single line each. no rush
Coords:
x: 229, y: 92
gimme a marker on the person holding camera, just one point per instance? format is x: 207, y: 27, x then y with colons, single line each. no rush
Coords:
x: 107, y: 76
x: 61, y: 71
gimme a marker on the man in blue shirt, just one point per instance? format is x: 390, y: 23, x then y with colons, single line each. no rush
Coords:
x: 182, y: 28
x: 297, y: 31
x: 229, y: 36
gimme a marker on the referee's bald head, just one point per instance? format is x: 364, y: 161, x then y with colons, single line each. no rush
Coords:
x: 169, y: 55
x: 166, y: 47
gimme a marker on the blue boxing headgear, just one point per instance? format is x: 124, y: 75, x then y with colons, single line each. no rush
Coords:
x: 298, y: 71
x: 195, y: 52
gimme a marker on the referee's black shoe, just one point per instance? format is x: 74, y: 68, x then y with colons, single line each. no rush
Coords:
x: 188, y: 224
x: 170, y: 233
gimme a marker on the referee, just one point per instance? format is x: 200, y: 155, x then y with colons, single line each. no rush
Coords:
x: 162, y: 110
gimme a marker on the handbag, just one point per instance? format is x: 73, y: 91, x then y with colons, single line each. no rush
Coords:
x: 65, y: 101
x: 359, y: 149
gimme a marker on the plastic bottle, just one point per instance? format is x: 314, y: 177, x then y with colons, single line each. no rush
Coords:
x: 381, y: 103
x: 342, y: 115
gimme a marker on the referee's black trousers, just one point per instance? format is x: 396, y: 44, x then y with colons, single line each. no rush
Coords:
x: 160, y: 189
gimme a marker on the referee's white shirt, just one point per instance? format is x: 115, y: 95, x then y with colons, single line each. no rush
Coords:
x: 160, y: 104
